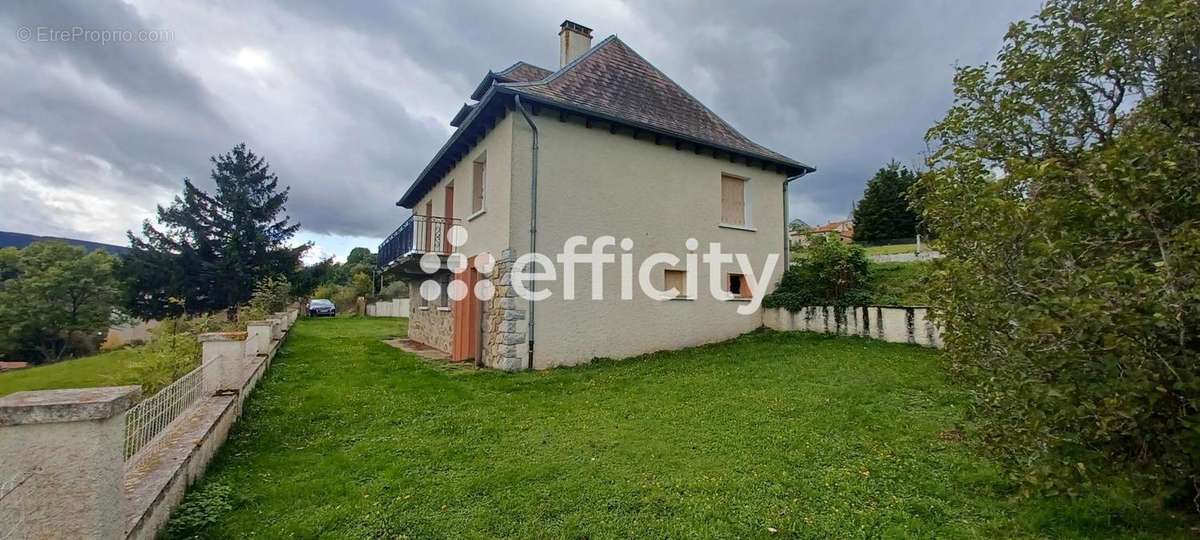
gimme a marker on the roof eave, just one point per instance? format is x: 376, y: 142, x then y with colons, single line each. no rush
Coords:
x: 461, y: 115
x: 484, y: 85
x: 412, y: 195
x: 794, y: 167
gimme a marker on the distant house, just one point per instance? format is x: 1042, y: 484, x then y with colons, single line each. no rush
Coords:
x: 842, y: 230
x: 622, y: 151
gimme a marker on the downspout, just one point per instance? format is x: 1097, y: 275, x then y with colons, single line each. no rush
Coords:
x: 533, y: 183
x: 787, y: 237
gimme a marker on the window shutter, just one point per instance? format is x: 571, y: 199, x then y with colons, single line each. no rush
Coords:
x: 477, y: 186
x: 733, y: 200
x: 676, y: 279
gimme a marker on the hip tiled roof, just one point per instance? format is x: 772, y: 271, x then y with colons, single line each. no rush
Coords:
x: 611, y: 82
x: 614, y: 80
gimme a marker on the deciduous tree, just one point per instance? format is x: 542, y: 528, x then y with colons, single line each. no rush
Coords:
x: 1065, y: 193
x: 55, y: 299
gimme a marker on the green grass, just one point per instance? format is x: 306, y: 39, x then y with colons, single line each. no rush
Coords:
x: 809, y: 435
x: 900, y: 283
x: 892, y: 249
x: 105, y: 369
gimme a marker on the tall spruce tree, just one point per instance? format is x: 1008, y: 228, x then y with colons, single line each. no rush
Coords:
x: 884, y: 213
x: 210, y: 250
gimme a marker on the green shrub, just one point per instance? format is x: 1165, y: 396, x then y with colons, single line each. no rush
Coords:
x: 201, y: 508
x: 395, y: 289
x: 271, y: 295
x: 826, y: 272
x: 173, y: 350
x: 344, y: 298
x: 1065, y: 193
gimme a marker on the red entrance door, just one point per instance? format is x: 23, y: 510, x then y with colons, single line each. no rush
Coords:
x: 466, y: 318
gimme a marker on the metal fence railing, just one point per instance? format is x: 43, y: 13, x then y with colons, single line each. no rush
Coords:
x: 418, y: 234
x: 145, y: 421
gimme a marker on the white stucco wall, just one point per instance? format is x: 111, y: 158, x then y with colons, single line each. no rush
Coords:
x: 489, y: 230
x: 593, y: 182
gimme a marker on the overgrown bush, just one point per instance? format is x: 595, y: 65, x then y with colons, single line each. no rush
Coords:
x: 395, y: 289
x: 1065, y: 190
x: 173, y: 350
x: 826, y: 272
x: 272, y: 294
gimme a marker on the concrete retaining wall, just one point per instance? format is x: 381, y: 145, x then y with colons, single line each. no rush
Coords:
x: 895, y: 324
x: 70, y: 479
x: 906, y: 257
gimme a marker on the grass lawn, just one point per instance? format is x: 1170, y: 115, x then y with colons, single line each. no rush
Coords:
x: 104, y: 369
x: 803, y: 434
x: 892, y: 249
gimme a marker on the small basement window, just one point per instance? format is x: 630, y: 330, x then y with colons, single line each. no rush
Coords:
x: 676, y: 279
x: 736, y: 286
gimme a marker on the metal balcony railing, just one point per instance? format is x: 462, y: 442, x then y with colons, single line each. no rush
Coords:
x: 416, y: 236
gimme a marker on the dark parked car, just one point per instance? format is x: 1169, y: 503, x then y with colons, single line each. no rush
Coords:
x: 320, y: 307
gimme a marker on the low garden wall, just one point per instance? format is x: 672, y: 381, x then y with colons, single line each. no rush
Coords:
x: 98, y: 463
x: 398, y: 307
x: 895, y: 324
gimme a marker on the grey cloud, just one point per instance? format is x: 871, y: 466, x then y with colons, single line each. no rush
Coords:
x: 845, y: 86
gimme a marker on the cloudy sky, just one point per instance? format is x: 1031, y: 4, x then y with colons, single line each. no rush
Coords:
x: 349, y: 100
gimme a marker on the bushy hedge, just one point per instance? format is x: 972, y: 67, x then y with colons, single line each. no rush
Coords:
x: 1065, y: 192
x: 825, y: 272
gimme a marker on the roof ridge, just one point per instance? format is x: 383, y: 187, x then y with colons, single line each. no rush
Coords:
x: 517, y: 64
x: 611, y: 38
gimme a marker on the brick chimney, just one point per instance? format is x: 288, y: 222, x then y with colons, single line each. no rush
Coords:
x: 574, y: 40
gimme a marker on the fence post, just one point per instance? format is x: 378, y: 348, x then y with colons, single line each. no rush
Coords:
x: 63, y: 463
x: 225, y: 351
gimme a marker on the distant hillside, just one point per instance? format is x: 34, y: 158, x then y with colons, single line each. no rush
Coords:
x: 20, y: 240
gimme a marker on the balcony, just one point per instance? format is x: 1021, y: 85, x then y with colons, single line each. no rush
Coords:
x: 417, y: 236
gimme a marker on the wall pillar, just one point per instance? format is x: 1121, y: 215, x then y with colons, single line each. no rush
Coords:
x: 276, y: 329
x: 225, y: 351
x: 505, y: 324
x: 62, y: 463
x: 258, y: 338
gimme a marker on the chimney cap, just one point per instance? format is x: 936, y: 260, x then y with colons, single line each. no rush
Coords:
x: 575, y: 27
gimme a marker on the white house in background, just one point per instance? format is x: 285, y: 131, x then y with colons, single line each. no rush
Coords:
x: 623, y: 151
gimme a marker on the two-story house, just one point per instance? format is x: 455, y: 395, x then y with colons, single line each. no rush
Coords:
x: 606, y: 145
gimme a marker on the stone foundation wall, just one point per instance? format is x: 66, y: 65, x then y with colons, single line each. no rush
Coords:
x: 504, y: 324
x: 432, y: 326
